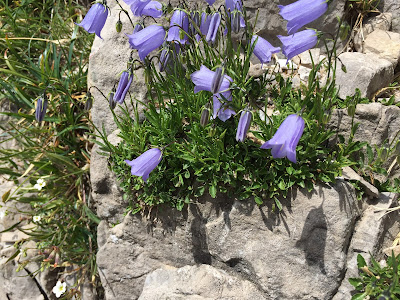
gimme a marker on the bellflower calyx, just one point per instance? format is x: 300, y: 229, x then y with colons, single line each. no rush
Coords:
x: 263, y: 49
x: 95, y: 19
x: 123, y: 86
x: 302, y: 12
x: 147, y: 40
x: 145, y: 163
x: 286, y: 138
x: 298, y: 42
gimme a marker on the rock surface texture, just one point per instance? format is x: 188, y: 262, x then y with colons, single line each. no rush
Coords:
x: 215, y: 247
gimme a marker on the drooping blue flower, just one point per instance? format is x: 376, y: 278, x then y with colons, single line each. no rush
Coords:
x: 145, y: 8
x: 41, y: 107
x: 244, y: 125
x: 286, y: 138
x: 123, y: 86
x: 95, y: 19
x: 179, y: 21
x: 263, y: 49
x: 210, y: 2
x: 205, y: 23
x: 213, y: 28
x: 298, y: 42
x: 147, y: 40
x: 145, y: 163
x: 203, y: 80
x: 302, y: 12
x: 234, y: 10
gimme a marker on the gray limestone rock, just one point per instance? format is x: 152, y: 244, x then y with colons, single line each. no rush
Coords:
x: 384, y: 44
x: 365, y: 241
x: 366, y: 72
x: 298, y: 253
x: 197, y: 283
x: 393, y: 7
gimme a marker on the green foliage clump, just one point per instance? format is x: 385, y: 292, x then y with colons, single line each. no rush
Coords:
x: 377, y: 282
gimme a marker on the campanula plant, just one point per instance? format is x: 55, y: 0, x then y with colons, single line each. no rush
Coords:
x: 95, y: 18
x: 213, y: 118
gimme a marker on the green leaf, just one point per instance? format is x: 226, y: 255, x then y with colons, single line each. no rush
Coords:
x: 355, y: 282
x: 213, y: 191
x: 360, y: 261
x: 359, y: 296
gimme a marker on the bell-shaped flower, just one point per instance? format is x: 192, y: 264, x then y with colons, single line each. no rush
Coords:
x: 123, y: 86
x: 210, y: 2
x: 298, y: 42
x: 302, y: 12
x: 234, y: 10
x: 41, y: 107
x: 244, y: 125
x: 179, y: 25
x: 203, y: 80
x: 213, y: 28
x: 145, y: 163
x: 147, y: 40
x: 220, y: 107
x: 205, y: 23
x: 286, y: 138
x: 95, y: 19
x: 145, y: 8
x: 263, y: 49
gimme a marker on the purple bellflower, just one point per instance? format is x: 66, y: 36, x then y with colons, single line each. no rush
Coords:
x: 179, y: 21
x: 244, y: 125
x: 41, y: 107
x: 203, y: 80
x: 123, y: 86
x: 263, y: 49
x: 145, y: 163
x: 298, y: 42
x: 302, y: 12
x: 147, y: 40
x: 234, y: 9
x: 95, y: 19
x: 210, y: 2
x: 286, y: 138
x: 205, y: 23
x: 213, y: 28
x: 145, y: 8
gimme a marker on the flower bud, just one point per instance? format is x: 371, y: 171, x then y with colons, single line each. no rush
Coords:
x: 118, y: 26
x: 137, y: 28
x: 164, y: 59
x: 217, y: 80
x: 111, y: 101
x: 351, y: 110
x: 344, y: 30
x: 244, y: 125
x: 89, y: 101
x: 205, y: 115
x: 236, y: 21
x: 41, y: 107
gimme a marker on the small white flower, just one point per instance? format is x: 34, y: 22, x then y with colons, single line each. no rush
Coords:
x: 60, y: 288
x: 40, y: 183
x: 36, y: 219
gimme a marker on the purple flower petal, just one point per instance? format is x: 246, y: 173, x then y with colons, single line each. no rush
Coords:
x: 221, y: 109
x: 205, y: 23
x: 147, y: 40
x: 123, y: 87
x: 95, y: 19
x: 302, y: 12
x: 243, y: 126
x: 263, y: 49
x: 286, y: 138
x: 153, y: 9
x: 298, y: 42
x: 145, y: 163
x: 213, y: 28
x: 203, y: 80
x: 210, y: 2
x: 179, y: 21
